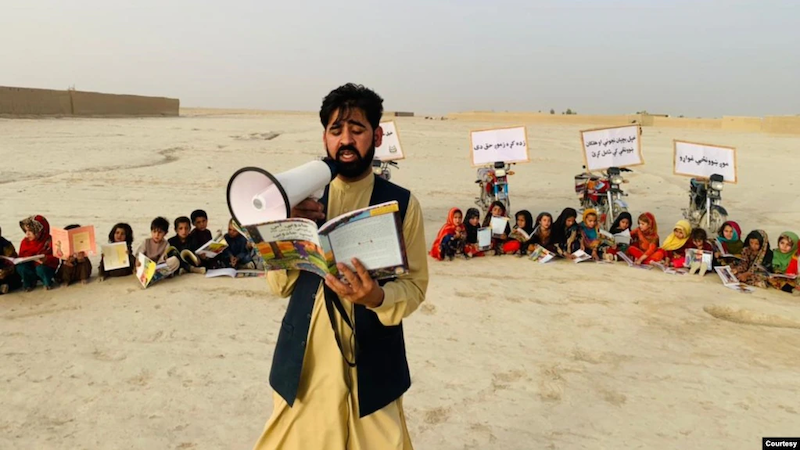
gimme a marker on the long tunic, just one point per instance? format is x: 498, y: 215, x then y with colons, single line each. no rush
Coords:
x: 325, y: 414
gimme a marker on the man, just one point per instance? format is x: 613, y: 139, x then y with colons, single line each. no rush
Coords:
x: 339, y: 369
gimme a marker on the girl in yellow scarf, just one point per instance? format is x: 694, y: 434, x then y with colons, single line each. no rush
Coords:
x: 673, y: 248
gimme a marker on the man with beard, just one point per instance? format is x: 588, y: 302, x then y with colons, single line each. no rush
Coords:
x: 339, y: 369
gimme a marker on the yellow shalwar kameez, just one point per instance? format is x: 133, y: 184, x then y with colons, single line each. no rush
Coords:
x: 325, y: 414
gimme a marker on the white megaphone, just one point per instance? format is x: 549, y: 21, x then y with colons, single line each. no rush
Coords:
x: 256, y: 196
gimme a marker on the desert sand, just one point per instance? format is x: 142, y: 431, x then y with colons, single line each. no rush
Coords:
x: 504, y: 354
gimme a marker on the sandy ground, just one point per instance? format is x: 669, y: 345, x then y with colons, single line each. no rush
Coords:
x: 505, y: 353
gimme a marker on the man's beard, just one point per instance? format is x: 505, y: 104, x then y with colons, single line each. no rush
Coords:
x: 354, y: 169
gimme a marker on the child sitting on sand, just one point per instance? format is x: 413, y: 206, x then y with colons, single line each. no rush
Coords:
x: 784, y: 262
x: 37, y: 242
x: 121, y: 232
x: 521, y: 233
x: 155, y: 247
x: 674, y: 247
x: 498, y: 210
x: 184, y: 244
x: 644, y: 240
x: 621, y: 225
x: 756, y: 256
x: 472, y: 223
x: 698, y: 241
x: 542, y: 234
x: 729, y: 238
x: 567, y: 233
x: 238, y: 254
x: 451, y: 238
x: 9, y: 279
x: 592, y: 241
x: 76, y: 267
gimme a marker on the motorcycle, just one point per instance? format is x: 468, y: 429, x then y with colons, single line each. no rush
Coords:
x: 705, y: 210
x: 381, y: 168
x: 493, y: 183
x: 603, y: 193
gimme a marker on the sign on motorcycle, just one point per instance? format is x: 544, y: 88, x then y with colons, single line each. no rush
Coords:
x: 703, y: 160
x: 508, y: 145
x: 611, y: 147
x: 493, y: 152
x: 390, y: 149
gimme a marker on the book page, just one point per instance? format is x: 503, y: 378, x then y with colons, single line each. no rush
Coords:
x: 581, y: 256
x: 498, y: 225
x: 289, y: 244
x: 82, y: 240
x: 61, y: 243
x: 115, y: 256
x: 228, y: 272
x: 726, y: 275
x: 373, y: 240
x: 484, y: 238
x: 623, y: 237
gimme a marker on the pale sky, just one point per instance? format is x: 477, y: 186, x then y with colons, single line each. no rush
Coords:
x: 696, y: 58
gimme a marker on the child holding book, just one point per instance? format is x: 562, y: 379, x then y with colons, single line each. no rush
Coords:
x: 592, y: 241
x: 755, y: 256
x: 238, y: 254
x: 37, y: 242
x: 497, y: 210
x: 472, y: 223
x: 451, y: 237
x: 155, y: 247
x: 200, y: 235
x: 567, y: 233
x: 674, y: 247
x: 76, y: 267
x: 121, y: 232
x: 521, y: 233
x: 9, y: 279
x: 542, y: 234
x: 698, y: 242
x: 784, y: 262
x: 644, y: 239
x: 621, y: 224
x: 729, y: 238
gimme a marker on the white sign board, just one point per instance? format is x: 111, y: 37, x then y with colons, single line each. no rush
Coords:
x: 390, y: 149
x: 508, y: 145
x: 703, y: 160
x: 611, y: 147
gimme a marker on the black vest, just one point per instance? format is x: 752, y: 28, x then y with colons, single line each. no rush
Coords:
x: 382, y: 372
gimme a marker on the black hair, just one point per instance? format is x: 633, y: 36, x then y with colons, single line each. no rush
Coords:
x: 180, y: 220
x: 161, y: 224
x: 488, y: 219
x: 196, y: 214
x: 128, y: 233
x: 72, y: 226
x: 351, y: 96
x: 699, y: 234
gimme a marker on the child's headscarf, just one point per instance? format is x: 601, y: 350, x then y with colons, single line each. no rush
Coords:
x: 560, y: 226
x: 472, y: 231
x: 448, y: 228
x: 41, y: 244
x: 734, y: 245
x: 652, y: 233
x: 780, y: 261
x: 488, y: 219
x: 615, y: 228
x: 763, y: 252
x: 528, y: 221
x: 672, y: 242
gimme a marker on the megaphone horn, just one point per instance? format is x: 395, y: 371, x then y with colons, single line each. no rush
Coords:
x: 256, y: 196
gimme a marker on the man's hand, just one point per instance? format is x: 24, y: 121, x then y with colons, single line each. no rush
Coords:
x: 308, y: 209
x: 362, y: 289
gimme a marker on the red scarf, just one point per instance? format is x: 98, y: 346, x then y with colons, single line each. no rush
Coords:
x: 41, y: 245
x: 448, y: 228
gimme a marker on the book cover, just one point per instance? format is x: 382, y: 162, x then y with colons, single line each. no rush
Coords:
x: 698, y: 256
x: 213, y: 248
x: 149, y: 272
x: 581, y: 256
x: 17, y: 261
x: 541, y: 255
x: 484, y: 238
x: 730, y: 281
x: 70, y: 242
x: 498, y: 225
x: 115, y: 256
x: 373, y: 235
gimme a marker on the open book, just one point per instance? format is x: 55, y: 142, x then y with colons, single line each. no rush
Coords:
x: 498, y: 225
x: 580, y: 256
x: 542, y: 255
x: 721, y: 250
x: 213, y: 248
x: 373, y: 235
x: 775, y: 275
x: 694, y: 255
x: 670, y: 270
x: 149, y: 272
x: 70, y: 242
x: 730, y: 281
x: 17, y: 261
x: 115, y: 256
x: 233, y: 273
x: 632, y: 263
x: 520, y: 234
x: 484, y: 238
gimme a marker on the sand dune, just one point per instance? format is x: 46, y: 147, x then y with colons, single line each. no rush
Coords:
x: 504, y: 354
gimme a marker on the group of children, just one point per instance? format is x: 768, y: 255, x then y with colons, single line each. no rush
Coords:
x: 176, y: 252
x: 751, y: 260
